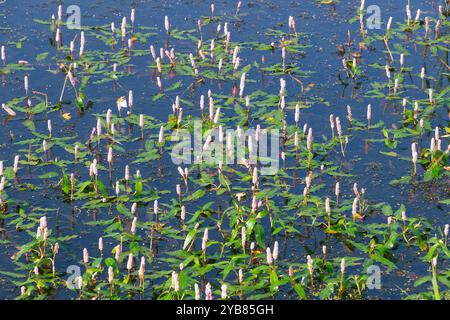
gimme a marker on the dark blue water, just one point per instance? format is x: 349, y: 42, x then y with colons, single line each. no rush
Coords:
x: 323, y: 28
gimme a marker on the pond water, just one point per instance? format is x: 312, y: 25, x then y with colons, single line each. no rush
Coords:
x: 329, y: 64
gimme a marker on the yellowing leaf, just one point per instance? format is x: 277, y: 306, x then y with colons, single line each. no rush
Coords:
x: 310, y: 86
x: 331, y: 231
x: 66, y: 116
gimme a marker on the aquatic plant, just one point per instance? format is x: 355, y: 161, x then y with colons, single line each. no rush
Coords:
x: 100, y: 205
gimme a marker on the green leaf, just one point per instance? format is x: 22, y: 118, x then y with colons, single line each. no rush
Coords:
x: 189, y: 238
x: 259, y: 235
x: 300, y: 291
x: 41, y: 56
x: 273, y: 281
x: 383, y: 260
x: 387, y: 210
x: 48, y: 175
x: 138, y: 188
x: 65, y: 184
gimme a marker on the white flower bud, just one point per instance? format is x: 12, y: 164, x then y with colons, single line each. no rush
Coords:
x: 110, y: 275
x: 166, y: 24
x: 130, y: 262
x: 100, y: 244
x: 85, y: 256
